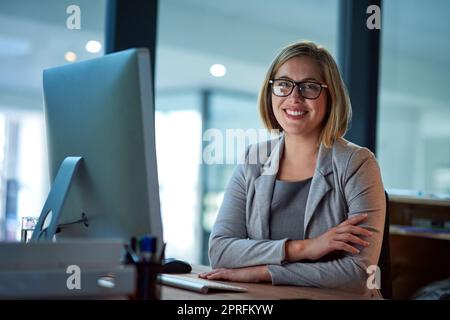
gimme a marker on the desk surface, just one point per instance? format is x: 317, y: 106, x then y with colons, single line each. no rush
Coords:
x: 407, y: 231
x: 420, y: 200
x: 256, y: 291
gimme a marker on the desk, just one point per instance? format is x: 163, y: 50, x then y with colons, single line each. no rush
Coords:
x: 256, y: 291
x: 418, y: 258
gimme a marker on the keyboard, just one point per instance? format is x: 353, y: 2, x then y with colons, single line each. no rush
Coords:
x: 196, y: 284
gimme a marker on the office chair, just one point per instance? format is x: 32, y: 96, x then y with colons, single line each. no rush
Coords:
x: 385, y: 257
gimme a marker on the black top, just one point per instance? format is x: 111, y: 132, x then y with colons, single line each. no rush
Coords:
x: 287, y: 210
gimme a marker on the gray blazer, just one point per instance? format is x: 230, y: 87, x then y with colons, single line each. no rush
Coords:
x: 347, y: 181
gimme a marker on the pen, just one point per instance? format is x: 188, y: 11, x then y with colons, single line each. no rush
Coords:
x: 133, y: 244
x: 147, y: 246
x: 131, y: 254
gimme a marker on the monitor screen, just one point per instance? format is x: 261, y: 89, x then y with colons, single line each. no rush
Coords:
x: 102, y: 110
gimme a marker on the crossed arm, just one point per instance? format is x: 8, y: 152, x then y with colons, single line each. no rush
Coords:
x: 339, y: 238
x: 237, y: 258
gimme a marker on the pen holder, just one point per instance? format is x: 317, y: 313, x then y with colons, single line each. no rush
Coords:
x: 147, y: 287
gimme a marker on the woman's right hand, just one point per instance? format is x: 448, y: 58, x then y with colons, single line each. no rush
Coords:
x: 337, y: 238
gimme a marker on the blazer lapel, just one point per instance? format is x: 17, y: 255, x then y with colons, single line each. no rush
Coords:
x: 263, y: 194
x: 264, y: 185
x: 319, y: 184
x: 264, y: 190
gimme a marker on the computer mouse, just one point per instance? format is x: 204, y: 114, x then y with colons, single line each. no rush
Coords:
x: 172, y: 265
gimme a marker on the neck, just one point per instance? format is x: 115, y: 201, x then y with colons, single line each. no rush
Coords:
x: 303, y: 147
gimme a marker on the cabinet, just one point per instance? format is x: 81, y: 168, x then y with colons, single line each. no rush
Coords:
x: 420, y: 243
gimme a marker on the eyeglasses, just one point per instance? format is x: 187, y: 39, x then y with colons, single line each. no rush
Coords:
x: 308, y: 89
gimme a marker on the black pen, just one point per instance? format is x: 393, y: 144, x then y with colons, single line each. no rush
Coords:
x: 132, y: 254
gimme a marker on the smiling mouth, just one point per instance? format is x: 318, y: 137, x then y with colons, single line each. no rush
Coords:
x: 295, y: 114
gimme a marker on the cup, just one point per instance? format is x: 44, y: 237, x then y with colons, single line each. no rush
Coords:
x: 27, y: 228
x: 147, y: 286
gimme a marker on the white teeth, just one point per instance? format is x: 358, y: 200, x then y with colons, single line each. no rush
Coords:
x: 295, y: 113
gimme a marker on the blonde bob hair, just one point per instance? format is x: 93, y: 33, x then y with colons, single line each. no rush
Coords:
x: 339, y: 109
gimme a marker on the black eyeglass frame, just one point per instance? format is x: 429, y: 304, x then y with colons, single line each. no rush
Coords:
x: 297, y: 84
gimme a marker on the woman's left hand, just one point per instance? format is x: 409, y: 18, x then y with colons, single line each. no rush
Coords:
x: 248, y: 274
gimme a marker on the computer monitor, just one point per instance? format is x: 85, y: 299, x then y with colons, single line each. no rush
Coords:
x: 101, y: 140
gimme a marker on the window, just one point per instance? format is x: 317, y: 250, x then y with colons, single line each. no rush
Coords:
x: 178, y: 144
x: 414, y: 111
x: 34, y: 36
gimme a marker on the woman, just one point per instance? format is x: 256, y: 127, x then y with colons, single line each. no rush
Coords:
x: 311, y: 212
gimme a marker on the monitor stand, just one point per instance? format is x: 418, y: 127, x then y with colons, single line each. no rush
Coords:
x: 47, y: 224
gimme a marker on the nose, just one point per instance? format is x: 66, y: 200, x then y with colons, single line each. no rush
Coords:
x: 296, y: 94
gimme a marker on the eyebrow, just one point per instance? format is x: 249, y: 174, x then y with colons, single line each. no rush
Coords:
x: 304, y: 79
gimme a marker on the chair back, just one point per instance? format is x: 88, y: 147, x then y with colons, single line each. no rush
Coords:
x: 385, y: 257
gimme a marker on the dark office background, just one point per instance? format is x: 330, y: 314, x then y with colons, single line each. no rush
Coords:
x: 397, y: 77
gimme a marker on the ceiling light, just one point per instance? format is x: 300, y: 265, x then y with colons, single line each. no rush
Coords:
x: 70, y: 56
x: 93, y: 46
x: 217, y: 70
